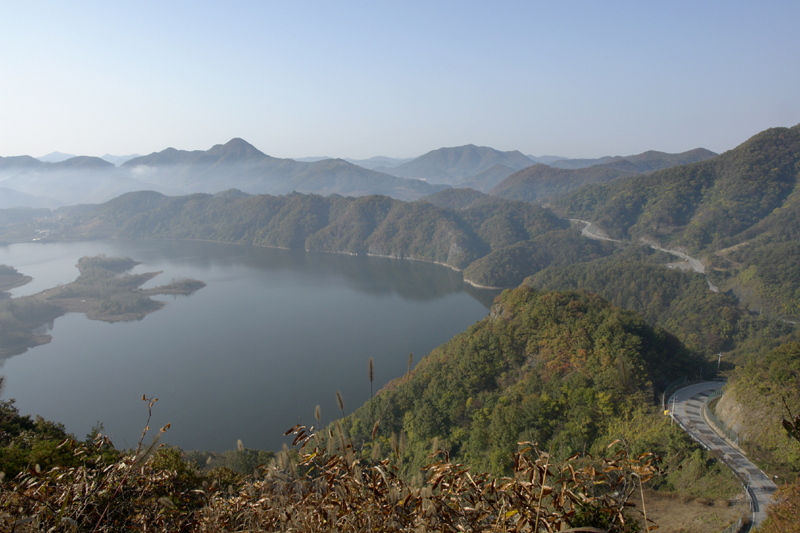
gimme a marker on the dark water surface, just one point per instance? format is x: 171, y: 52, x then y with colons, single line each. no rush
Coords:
x: 273, y: 334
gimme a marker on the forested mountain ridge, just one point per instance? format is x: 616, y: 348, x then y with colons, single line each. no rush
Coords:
x: 238, y: 164
x: 236, y: 150
x: 539, y: 182
x: 15, y: 164
x: 485, y: 180
x: 645, y: 162
x: 461, y: 198
x: 740, y: 210
x: 376, y: 225
x: 699, y: 205
x: 536, y: 183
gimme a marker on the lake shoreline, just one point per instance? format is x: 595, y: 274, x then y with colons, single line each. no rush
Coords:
x: 451, y: 267
x: 235, y: 361
x: 355, y: 254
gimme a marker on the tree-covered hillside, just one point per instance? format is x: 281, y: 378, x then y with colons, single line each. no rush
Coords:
x: 558, y: 368
x: 636, y: 278
x: 494, y: 229
x: 508, y: 265
x: 706, y: 204
x: 758, y: 397
x: 460, y: 198
x: 540, y: 182
x: 740, y: 211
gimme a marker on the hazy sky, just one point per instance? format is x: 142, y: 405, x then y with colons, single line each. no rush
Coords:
x: 359, y: 79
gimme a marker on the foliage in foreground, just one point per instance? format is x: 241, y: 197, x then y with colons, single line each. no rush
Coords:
x: 784, y: 515
x: 328, y: 489
x: 26, y: 441
x: 689, y: 470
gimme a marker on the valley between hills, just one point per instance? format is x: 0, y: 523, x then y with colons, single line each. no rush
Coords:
x: 574, y: 360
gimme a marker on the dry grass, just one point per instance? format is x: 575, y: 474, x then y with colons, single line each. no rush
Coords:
x: 323, y: 485
x: 675, y: 513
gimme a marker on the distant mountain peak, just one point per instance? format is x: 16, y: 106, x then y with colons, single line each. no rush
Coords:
x: 234, y: 151
x: 55, y: 157
x: 454, y: 164
x: 238, y: 141
x: 237, y: 148
x: 82, y: 162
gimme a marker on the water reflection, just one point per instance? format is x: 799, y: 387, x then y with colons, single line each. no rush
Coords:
x: 273, y: 334
x: 44, y: 329
x: 413, y: 280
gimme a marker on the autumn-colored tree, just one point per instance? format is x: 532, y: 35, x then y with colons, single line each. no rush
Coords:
x: 784, y: 515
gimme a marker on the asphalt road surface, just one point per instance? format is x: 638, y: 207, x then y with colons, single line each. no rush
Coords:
x: 686, y: 408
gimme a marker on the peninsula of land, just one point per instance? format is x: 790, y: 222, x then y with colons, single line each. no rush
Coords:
x: 104, y: 290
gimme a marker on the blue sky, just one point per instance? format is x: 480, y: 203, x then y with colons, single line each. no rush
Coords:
x: 359, y: 79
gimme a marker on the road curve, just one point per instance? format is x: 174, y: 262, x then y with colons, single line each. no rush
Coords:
x: 591, y: 231
x: 686, y: 408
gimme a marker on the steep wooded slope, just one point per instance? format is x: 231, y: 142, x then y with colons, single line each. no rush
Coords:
x: 703, y: 204
x: 741, y: 210
x: 547, y: 367
x: 635, y: 277
x: 755, y: 403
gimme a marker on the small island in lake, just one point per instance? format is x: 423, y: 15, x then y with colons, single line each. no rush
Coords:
x: 104, y: 290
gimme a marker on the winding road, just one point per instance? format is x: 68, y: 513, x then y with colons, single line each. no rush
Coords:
x: 591, y: 231
x: 686, y: 407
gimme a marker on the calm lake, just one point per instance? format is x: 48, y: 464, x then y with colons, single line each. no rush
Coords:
x: 273, y: 334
